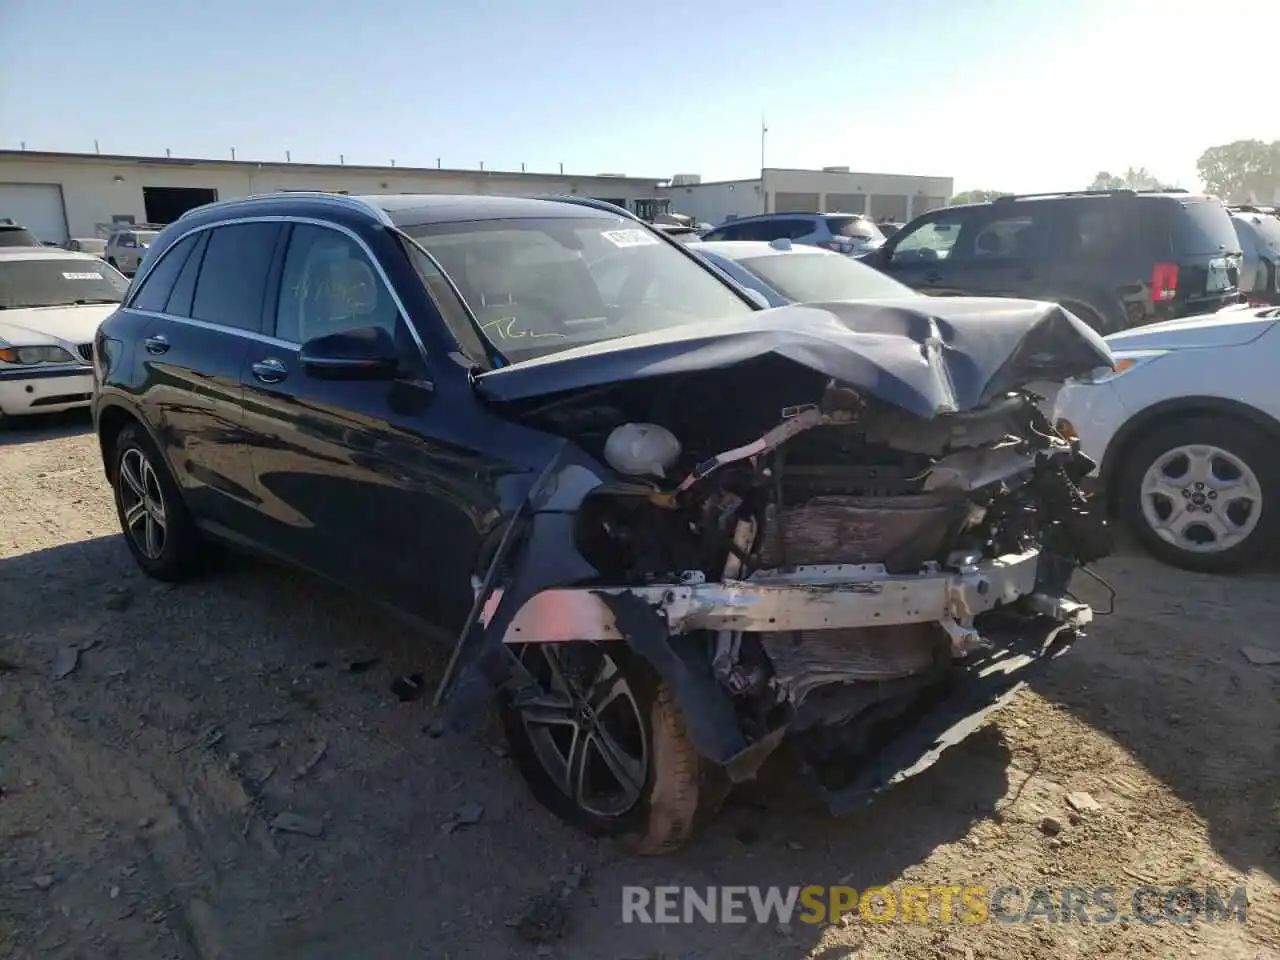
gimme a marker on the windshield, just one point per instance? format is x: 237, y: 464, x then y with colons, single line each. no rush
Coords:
x: 854, y: 227
x: 810, y: 277
x: 540, y: 286
x: 60, y: 282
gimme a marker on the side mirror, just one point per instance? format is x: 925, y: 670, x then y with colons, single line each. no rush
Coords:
x: 758, y: 298
x: 368, y: 353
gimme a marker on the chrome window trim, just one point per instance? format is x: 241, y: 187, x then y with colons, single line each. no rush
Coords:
x: 218, y: 328
x: 254, y: 334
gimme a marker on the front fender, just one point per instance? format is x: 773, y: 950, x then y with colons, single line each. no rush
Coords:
x: 539, y: 550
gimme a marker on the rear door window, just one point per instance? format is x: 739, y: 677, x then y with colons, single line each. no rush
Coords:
x: 232, y: 284
x: 153, y: 295
x: 1098, y: 232
x: 1203, y: 227
x: 1011, y: 237
x: 184, y: 288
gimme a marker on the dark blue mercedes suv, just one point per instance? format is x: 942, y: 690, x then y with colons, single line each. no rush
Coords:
x: 665, y: 527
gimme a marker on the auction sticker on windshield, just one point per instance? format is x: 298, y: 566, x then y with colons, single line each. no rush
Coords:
x: 630, y: 238
x: 82, y: 276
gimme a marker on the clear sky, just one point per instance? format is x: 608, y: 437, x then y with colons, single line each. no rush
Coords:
x: 1002, y: 94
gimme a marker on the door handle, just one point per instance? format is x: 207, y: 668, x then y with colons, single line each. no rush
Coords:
x: 157, y: 343
x: 932, y: 277
x: 270, y: 370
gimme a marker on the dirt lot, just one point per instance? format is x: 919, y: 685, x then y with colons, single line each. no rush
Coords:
x: 150, y: 736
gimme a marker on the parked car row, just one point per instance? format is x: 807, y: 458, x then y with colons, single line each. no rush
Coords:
x: 51, y: 303
x: 1117, y: 259
x: 1183, y: 426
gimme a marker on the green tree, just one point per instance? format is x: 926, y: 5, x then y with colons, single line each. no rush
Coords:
x: 977, y: 196
x: 1243, y: 170
x: 1132, y: 179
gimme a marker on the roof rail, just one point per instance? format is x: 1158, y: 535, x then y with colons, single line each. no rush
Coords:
x: 342, y: 199
x: 1118, y: 192
x: 591, y: 202
x: 1250, y: 208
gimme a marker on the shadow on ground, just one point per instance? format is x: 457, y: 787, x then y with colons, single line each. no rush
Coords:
x: 262, y: 655
x: 47, y: 426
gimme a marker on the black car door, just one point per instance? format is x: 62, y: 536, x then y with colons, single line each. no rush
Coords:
x: 928, y: 253
x: 205, y: 300
x: 357, y: 482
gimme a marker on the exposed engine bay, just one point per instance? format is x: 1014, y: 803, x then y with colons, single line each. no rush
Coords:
x: 795, y: 553
x: 841, y: 483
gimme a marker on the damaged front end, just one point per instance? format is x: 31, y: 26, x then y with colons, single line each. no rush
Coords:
x: 868, y: 575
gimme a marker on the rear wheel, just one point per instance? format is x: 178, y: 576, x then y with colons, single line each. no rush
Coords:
x: 606, y: 750
x: 157, y: 527
x: 1199, y: 493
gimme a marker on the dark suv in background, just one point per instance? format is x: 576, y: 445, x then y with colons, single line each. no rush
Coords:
x: 1116, y: 258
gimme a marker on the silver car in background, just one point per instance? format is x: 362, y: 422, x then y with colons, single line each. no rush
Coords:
x: 128, y: 245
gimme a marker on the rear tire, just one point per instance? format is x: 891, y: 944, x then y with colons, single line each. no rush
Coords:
x: 655, y: 812
x: 157, y: 526
x: 1200, y: 494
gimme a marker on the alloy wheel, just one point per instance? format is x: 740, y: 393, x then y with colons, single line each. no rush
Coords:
x: 142, y: 504
x: 587, y: 730
x: 1201, y: 498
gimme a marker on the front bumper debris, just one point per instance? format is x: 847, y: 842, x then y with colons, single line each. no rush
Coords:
x: 817, y: 597
x: 980, y: 686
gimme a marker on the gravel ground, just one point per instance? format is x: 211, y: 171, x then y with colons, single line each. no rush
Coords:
x: 151, y: 738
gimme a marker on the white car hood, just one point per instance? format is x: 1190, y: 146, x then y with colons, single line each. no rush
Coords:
x: 1230, y: 329
x: 36, y: 326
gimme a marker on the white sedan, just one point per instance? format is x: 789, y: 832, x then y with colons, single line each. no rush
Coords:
x: 51, y: 303
x: 1186, y: 431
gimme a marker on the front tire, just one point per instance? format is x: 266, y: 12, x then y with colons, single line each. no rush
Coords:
x: 607, y: 752
x: 157, y: 526
x: 1199, y: 494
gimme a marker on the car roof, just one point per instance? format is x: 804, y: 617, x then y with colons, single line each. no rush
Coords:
x: 744, y: 249
x: 407, y: 210
x: 1077, y: 196
x: 44, y: 253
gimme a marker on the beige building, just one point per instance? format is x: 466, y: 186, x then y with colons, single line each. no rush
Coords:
x: 61, y: 195
x: 830, y: 190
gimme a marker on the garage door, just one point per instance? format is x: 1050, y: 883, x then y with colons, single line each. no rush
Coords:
x: 36, y: 206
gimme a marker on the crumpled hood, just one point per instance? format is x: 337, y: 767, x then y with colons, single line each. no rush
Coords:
x: 38, y: 326
x: 928, y: 356
x: 1232, y: 328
